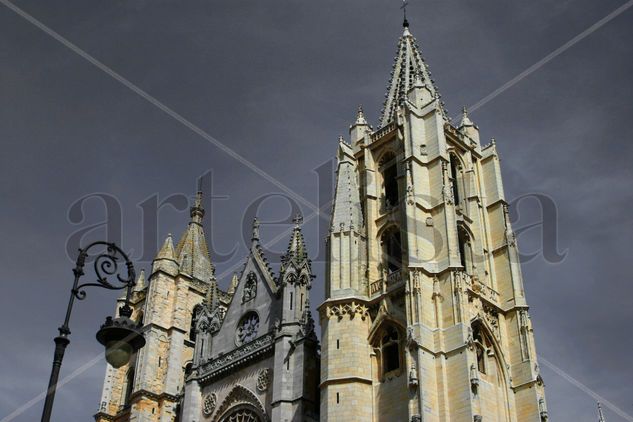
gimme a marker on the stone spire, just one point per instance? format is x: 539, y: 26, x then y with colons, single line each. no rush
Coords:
x: 140, y: 281
x: 296, y: 248
x: 166, y: 258
x: 408, y: 64
x: 167, y: 251
x: 346, y: 212
x: 192, y: 251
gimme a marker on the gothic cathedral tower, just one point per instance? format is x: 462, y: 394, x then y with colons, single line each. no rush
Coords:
x: 149, y: 387
x: 425, y: 317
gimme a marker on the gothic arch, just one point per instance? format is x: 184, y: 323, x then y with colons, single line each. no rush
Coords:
x: 505, y: 383
x: 240, y: 397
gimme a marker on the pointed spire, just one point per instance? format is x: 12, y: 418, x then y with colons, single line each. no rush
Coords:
x: 346, y: 213
x: 296, y: 248
x: 192, y: 251
x: 140, y: 281
x: 167, y: 251
x: 213, y: 295
x: 408, y: 66
x: 465, y: 122
x: 233, y: 286
x: 600, y: 414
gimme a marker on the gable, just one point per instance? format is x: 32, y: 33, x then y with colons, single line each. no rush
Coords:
x: 254, y: 294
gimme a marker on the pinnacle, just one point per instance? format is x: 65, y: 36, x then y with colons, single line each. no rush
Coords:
x: 167, y: 251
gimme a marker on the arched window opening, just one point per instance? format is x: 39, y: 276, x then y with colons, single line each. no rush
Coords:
x: 389, y: 170
x: 455, y: 168
x: 390, y: 350
x: 482, y: 347
x: 392, y: 250
x: 464, y: 244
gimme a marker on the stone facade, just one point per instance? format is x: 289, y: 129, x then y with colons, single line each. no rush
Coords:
x: 257, y: 360
x: 425, y: 317
x: 247, y: 354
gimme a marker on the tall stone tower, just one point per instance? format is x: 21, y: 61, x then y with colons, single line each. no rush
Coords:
x: 148, y: 388
x: 425, y: 317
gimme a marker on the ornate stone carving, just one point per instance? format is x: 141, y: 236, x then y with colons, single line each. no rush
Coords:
x: 351, y: 309
x: 241, y: 396
x: 238, y: 356
x: 263, y: 379
x: 209, y: 404
x: 250, y: 288
x: 413, y: 376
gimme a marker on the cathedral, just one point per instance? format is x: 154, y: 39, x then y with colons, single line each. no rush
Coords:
x: 424, y: 319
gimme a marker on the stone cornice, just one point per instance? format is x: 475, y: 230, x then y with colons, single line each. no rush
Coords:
x: 236, y: 358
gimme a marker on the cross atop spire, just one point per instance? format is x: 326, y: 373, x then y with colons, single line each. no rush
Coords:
x: 255, y: 236
x: 405, y: 22
x: 298, y: 220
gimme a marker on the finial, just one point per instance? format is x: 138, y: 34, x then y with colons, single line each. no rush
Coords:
x: 196, y: 211
x: 255, y: 236
x: 341, y: 139
x: 298, y: 220
x: 602, y: 419
x: 360, y: 116
x: 405, y: 22
x: 465, y: 119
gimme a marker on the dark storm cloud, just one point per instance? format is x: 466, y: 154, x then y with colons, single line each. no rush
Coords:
x: 277, y: 83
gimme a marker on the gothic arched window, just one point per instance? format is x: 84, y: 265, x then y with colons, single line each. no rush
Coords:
x: 390, y: 350
x: 482, y: 345
x: 455, y: 169
x: 463, y: 240
x: 250, y: 288
x: 392, y: 249
x: 389, y: 170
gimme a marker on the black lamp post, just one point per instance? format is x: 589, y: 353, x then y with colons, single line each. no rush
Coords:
x: 120, y: 336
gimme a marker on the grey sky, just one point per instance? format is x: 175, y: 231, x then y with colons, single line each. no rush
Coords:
x: 278, y: 83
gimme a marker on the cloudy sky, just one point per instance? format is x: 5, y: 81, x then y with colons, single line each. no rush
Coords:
x: 276, y: 84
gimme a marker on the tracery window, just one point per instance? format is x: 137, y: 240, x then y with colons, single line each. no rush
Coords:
x: 250, y: 288
x: 242, y: 415
x: 247, y: 329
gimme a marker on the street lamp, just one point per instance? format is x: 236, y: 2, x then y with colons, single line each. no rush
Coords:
x: 120, y: 336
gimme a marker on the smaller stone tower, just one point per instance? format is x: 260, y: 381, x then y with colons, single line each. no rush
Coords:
x: 149, y: 387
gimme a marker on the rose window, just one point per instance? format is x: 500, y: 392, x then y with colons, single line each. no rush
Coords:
x: 247, y: 329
